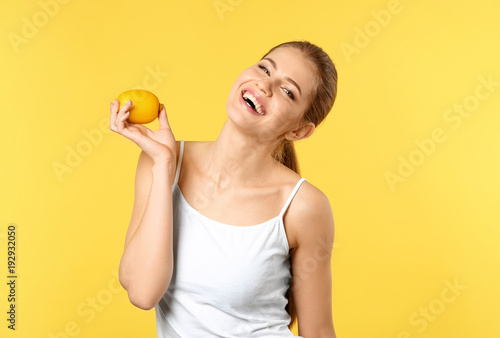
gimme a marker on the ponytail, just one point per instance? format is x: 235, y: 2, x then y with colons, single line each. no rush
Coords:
x: 285, y: 154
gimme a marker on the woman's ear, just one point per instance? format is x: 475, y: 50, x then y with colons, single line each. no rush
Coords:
x: 302, y: 132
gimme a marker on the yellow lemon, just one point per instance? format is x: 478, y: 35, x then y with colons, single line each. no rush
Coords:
x: 145, y: 105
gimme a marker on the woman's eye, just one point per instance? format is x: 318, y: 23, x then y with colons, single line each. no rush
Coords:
x: 287, y: 91
x: 264, y: 69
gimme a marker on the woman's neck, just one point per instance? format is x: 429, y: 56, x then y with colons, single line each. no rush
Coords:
x: 242, y: 158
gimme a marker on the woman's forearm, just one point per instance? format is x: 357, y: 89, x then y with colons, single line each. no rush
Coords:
x: 147, y: 262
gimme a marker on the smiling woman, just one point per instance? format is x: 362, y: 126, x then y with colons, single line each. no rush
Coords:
x: 223, y: 247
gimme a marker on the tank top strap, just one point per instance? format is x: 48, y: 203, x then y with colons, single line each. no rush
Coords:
x: 179, y: 162
x: 294, y: 191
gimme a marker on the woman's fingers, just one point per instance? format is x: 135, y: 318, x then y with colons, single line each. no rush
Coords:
x: 150, y: 141
x: 163, y: 119
x: 126, y: 106
x: 114, y: 114
x: 113, y: 111
x: 123, y: 111
x: 116, y: 120
x: 121, y: 123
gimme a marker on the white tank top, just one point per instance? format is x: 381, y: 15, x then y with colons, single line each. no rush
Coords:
x: 228, y: 280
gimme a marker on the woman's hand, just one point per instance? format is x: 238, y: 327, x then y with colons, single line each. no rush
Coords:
x: 158, y: 144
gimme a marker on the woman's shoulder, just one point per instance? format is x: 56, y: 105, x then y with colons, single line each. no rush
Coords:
x: 310, y: 199
x: 309, y: 215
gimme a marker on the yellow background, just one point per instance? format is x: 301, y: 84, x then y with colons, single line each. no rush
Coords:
x: 402, y: 76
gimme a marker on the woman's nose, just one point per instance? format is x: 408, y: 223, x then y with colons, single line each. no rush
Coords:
x: 264, y: 87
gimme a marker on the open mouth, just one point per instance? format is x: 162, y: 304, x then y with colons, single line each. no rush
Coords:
x: 253, y: 103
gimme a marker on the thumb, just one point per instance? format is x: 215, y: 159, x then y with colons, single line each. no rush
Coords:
x: 162, y: 117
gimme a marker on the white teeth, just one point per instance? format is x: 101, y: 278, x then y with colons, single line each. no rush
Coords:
x: 256, y: 103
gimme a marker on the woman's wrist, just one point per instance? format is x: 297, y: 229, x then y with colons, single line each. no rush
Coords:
x: 164, y: 167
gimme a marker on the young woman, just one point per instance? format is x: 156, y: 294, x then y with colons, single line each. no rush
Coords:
x: 226, y: 238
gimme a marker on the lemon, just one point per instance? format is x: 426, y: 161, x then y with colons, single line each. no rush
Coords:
x: 145, y: 105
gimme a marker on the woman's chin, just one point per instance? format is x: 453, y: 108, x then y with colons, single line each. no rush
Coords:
x: 241, y: 120
x: 237, y: 118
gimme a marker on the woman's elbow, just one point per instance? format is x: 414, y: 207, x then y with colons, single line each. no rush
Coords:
x: 141, y: 301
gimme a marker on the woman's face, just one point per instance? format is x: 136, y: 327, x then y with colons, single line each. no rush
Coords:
x: 268, y: 99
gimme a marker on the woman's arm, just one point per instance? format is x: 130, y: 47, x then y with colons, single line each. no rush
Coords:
x: 313, y: 223
x: 147, y: 261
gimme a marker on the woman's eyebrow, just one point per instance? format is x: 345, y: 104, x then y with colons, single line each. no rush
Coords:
x: 286, y: 77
